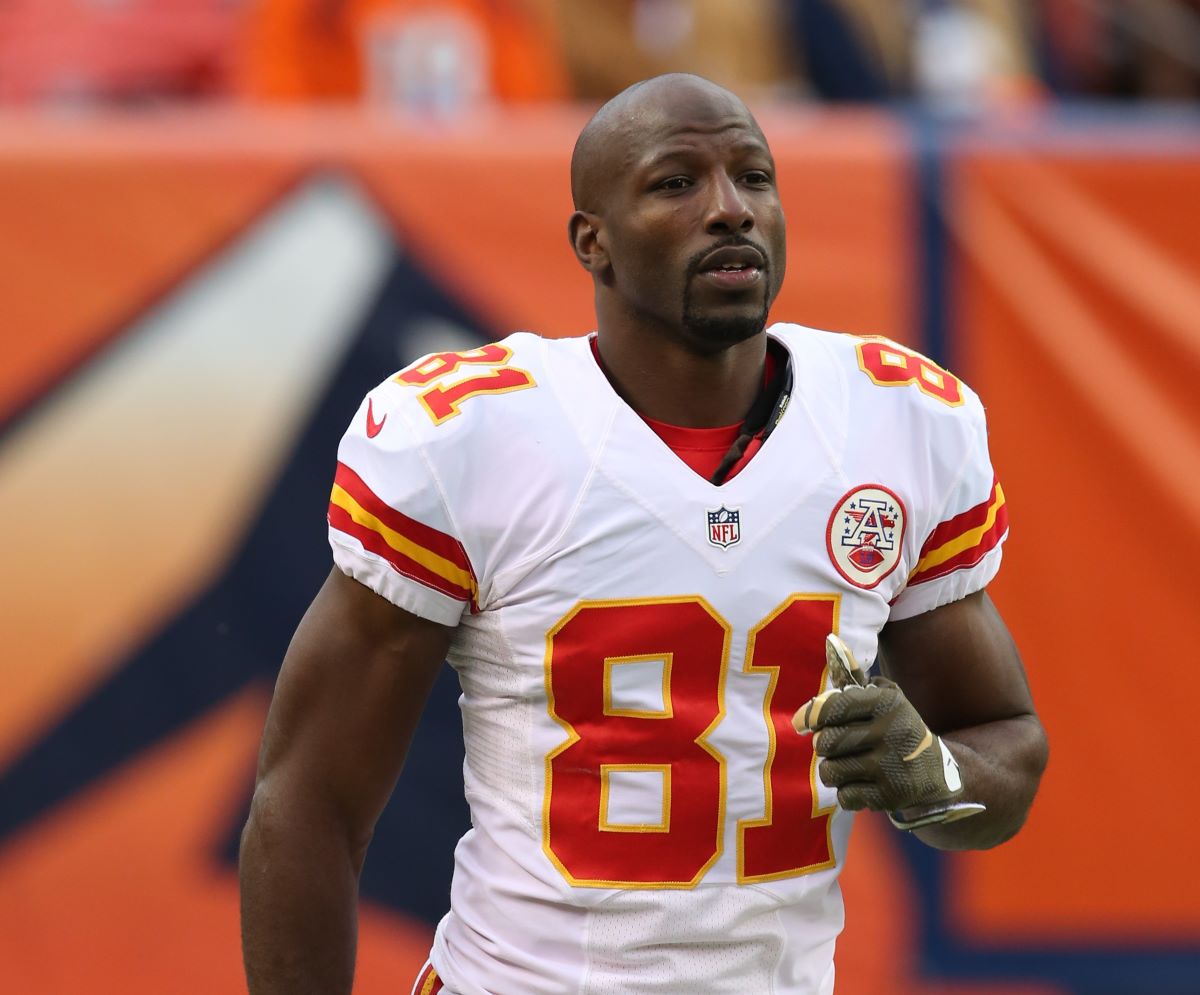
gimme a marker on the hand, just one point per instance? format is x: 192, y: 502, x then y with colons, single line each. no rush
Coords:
x: 878, y: 752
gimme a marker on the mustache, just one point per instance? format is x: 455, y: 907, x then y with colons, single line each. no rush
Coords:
x: 729, y: 241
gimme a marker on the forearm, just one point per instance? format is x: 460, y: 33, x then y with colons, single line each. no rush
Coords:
x: 1001, y: 764
x: 299, y: 887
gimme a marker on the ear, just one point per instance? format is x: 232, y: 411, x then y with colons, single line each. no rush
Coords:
x: 586, y: 232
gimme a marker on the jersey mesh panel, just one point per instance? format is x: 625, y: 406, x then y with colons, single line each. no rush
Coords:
x: 699, y: 959
x: 497, y: 736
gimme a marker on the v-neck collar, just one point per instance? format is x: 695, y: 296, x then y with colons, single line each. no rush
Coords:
x: 801, y: 453
x: 686, y: 438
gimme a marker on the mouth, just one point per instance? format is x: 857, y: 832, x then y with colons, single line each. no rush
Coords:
x: 733, y: 267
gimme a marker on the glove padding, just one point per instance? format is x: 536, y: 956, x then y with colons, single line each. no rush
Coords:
x: 878, y: 752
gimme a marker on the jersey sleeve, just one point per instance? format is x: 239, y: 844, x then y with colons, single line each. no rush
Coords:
x: 960, y: 552
x: 389, y: 524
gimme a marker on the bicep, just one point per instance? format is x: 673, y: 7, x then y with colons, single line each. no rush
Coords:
x: 349, y: 695
x: 957, y: 664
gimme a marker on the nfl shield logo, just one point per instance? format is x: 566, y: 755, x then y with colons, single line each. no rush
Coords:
x: 724, y: 526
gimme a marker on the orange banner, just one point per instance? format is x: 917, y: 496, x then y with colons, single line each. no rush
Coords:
x: 195, y: 306
x: 1078, y: 323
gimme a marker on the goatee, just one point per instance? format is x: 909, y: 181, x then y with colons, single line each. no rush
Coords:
x: 719, y: 331
x: 714, y: 332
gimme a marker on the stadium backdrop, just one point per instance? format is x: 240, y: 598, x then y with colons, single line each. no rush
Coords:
x: 192, y: 307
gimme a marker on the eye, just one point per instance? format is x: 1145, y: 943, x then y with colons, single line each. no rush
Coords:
x: 674, y: 183
x: 757, y: 177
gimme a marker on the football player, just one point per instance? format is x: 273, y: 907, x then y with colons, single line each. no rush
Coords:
x: 663, y: 559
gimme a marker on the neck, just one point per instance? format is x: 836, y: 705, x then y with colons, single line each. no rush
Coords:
x: 664, y: 379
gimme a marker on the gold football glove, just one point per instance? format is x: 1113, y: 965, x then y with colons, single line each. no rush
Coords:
x: 878, y: 752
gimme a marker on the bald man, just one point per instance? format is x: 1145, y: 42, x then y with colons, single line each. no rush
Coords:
x: 655, y: 557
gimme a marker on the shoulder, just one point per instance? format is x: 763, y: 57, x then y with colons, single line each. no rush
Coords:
x: 436, y: 395
x: 441, y: 458
x: 455, y: 402
x: 476, y: 425
x: 884, y: 377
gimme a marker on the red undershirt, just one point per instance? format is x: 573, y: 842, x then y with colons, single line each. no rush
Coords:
x: 702, y: 449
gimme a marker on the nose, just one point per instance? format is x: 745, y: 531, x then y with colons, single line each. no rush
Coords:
x: 728, y: 207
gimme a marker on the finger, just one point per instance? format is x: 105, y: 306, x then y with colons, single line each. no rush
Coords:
x: 853, y: 704
x: 861, y: 795
x: 808, y: 715
x: 843, y: 740
x: 842, y: 771
x: 844, y: 668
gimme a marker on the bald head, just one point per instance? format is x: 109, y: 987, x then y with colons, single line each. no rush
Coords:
x: 677, y: 215
x: 616, y: 135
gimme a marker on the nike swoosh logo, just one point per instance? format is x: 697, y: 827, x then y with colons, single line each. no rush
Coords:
x: 926, y: 742
x: 373, y: 427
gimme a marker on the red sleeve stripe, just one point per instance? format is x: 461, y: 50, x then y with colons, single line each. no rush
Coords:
x: 402, y: 549
x: 954, y: 527
x: 964, y: 540
x: 375, y: 543
x: 445, y: 546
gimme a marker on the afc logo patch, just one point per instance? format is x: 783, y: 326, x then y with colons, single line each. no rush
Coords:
x: 724, y: 526
x: 865, y: 534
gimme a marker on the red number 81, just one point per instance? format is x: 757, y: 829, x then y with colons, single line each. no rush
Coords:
x: 692, y: 642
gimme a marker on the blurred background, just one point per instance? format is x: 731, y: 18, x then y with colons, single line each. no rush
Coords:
x: 222, y: 221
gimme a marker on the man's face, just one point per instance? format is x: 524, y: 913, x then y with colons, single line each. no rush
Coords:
x: 695, y: 232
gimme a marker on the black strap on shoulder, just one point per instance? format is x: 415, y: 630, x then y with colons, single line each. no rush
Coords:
x: 764, y: 413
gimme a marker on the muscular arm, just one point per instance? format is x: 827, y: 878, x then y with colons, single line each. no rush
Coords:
x: 959, y: 667
x: 348, y: 699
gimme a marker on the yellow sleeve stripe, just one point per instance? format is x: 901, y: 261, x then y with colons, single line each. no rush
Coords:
x: 979, y: 539
x: 403, y: 545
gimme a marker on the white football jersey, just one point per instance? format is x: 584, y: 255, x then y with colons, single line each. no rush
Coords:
x: 633, y: 641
